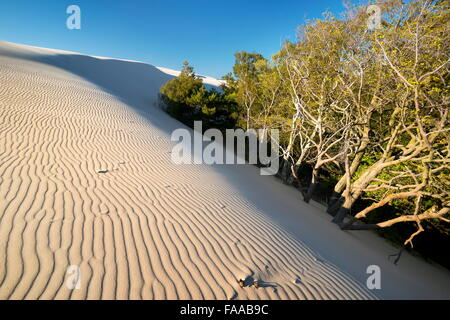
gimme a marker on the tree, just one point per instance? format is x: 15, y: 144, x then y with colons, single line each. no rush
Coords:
x: 246, y: 71
x: 188, y: 70
x: 182, y: 94
x: 188, y: 100
x: 415, y: 152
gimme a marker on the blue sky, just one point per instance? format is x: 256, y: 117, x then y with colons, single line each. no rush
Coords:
x: 164, y: 33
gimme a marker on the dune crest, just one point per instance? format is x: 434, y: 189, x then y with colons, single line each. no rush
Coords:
x: 86, y: 179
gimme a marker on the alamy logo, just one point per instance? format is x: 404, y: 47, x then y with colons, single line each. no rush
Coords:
x: 242, y: 147
x: 374, y: 280
x: 74, y: 279
x: 374, y: 20
x: 74, y: 20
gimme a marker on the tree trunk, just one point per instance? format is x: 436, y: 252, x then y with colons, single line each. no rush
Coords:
x: 285, y: 172
x: 359, y: 227
x: 334, y: 203
x: 343, y: 211
x: 312, y: 186
x: 281, y: 168
x: 357, y: 189
x: 336, y: 198
x: 292, y: 175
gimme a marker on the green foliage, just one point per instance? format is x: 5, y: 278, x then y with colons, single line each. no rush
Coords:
x: 187, y: 69
x: 187, y: 99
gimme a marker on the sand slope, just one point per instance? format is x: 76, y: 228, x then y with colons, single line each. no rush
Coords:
x: 86, y: 179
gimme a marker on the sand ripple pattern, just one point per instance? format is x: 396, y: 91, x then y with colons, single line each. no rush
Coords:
x: 145, y: 228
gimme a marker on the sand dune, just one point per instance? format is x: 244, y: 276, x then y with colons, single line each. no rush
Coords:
x: 86, y: 179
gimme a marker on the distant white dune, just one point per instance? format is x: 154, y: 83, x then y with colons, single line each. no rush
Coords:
x: 206, y: 80
x: 86, y: 179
